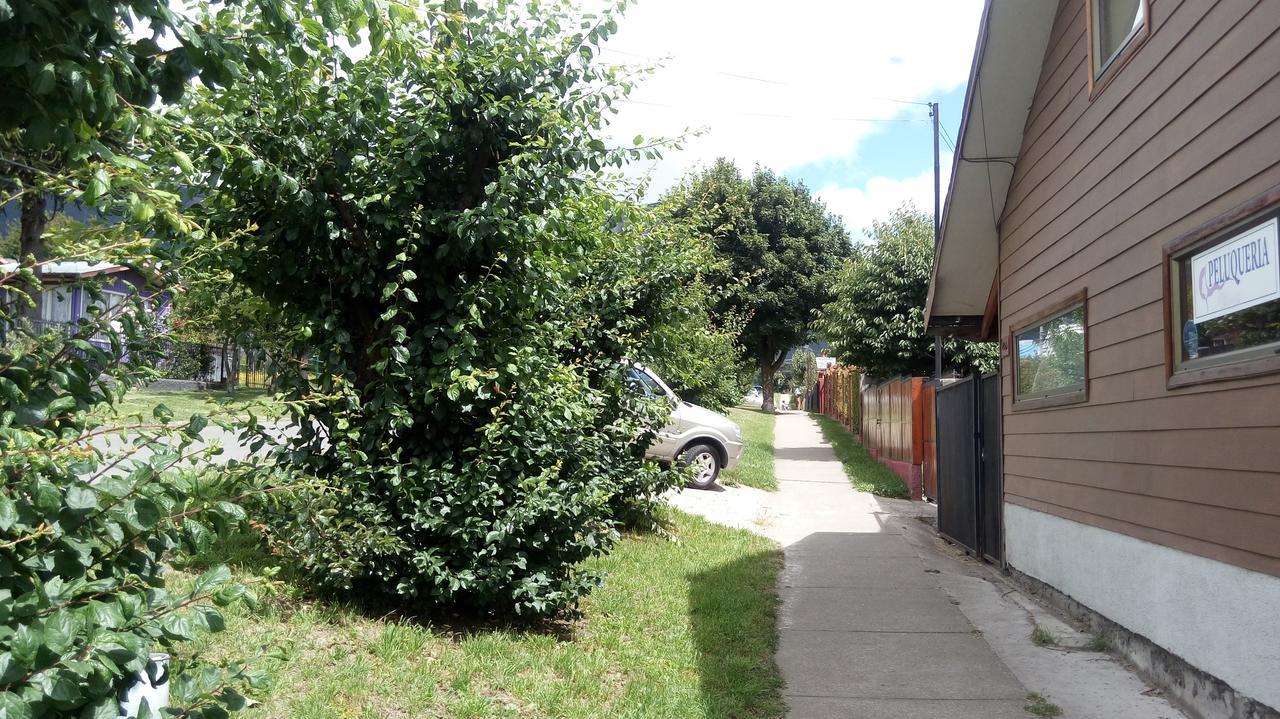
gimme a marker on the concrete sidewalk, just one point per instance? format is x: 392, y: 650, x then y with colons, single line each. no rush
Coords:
x: 865, y: 628
x: 878, y: 614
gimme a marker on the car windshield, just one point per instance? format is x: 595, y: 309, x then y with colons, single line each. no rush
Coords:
x: 646, y: 384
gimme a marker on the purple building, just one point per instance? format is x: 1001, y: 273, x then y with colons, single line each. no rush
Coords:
x: 66, y: 300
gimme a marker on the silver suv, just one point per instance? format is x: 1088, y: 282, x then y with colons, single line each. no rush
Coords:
x: 694, y: 435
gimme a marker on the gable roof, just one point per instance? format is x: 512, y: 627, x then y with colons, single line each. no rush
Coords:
x: 1012, y: 40
x: 68, y: 268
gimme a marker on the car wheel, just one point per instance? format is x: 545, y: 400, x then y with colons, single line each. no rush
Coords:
x: 705, y: 461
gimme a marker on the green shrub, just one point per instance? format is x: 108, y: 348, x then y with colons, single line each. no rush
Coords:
x: 435, y: 214
x: 187, y: 360
x: 86, y: 527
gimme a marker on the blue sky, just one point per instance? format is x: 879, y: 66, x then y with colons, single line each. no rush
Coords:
x: 792, y: 87
x: 899, y: 150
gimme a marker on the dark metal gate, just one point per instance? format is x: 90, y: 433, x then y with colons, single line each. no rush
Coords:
x: 969, y: 473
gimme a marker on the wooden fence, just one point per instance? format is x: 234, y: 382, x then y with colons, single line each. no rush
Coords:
x: 894, y: 421
x: 838, y: 390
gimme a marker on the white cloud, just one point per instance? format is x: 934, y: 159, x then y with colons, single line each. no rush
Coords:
x: 826, y: 60
x: 881, y: 195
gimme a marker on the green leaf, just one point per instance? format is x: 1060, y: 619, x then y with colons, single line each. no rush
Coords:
x: 60, y: 633
x: 8, y: 513
x: 45, y: 79
x: 10, y: 670
x: 60, y: 686
x: 210, y: 580
x: 25, y: 644
x: 196, y: 425
x: 12, y: 706
x: 107, y: 707
x: 144, y: 513
x: 81, y: 498
x: 62, y: 405
x: 184, y: 162
x: 162, y: 412
x: 98, y: 186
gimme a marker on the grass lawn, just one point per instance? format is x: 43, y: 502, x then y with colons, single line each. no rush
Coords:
x: 755, y: 469
x: 682, y: 628
x: 185, y: 404
x: 866, y: 474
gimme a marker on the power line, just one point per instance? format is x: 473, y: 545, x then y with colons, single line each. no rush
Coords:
x: 753, y: 78
x: 769, y: 115
x: 986, y: 148
x: 947, y: 137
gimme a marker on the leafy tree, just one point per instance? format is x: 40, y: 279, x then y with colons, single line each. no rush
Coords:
x: 1056, y: 358
x: 74, y: 82
x: 93, y: 506
x: 876, y: 321
x: 700, y: 357
x: 802, y: 371
x: 782, y: 248
x: 696, y: 355
x: 211, y: 307
x: 434, y: 215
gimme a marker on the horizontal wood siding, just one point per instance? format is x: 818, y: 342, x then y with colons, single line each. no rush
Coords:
x: 1188, y: 129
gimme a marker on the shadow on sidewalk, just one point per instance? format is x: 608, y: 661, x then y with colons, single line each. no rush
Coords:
x: 736, y: 636
x: 820, y: 453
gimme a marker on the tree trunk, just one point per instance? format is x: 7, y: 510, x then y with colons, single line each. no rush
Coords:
x: 767, y: 384
x: 770, y: 361
x: 225, y: 365
x: 31, y: 239
x: 233, y: 368
x: 34, y: 220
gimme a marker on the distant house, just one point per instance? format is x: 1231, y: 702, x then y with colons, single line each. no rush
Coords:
x: 65, y: 301
x: 1112, y: 222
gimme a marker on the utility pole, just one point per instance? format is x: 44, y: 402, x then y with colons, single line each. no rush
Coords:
x: 937, y: 227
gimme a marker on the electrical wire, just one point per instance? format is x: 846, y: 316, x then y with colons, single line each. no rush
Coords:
x: 753, y: 78
x: 946, y: 137
x: 991, y: 190
x: 770, y: 115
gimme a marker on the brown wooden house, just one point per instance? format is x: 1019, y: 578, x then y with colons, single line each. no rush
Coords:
x: 1112, y: 222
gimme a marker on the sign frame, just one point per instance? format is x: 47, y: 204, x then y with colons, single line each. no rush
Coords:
x: 1228, y: 271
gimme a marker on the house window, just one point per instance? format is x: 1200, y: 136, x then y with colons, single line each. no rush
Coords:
x: 1114, y: 26
x: 108, y: 301
x: 1226, y: 302
x: 55, y: 305
x: 1049, y: 367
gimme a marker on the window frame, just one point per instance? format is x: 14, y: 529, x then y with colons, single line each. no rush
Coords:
x: 104, y: 293
x: 52, y: 292
x: 1079, y: 300
x: 1101, y: 75
x: 1250, y: 362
